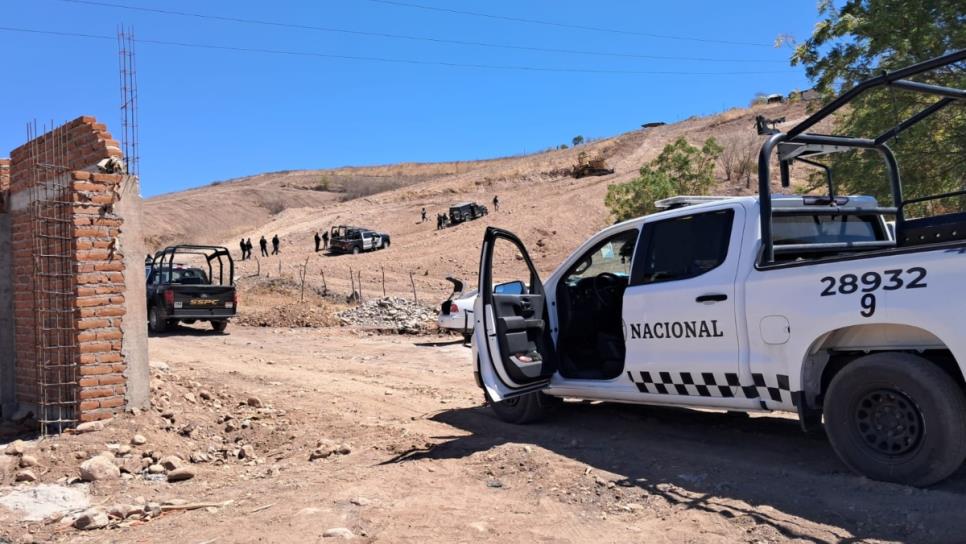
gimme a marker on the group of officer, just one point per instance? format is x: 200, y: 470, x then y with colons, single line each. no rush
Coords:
x: 246, y: 247
x: 442, y: 218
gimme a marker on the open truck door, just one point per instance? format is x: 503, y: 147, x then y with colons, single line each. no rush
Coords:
x: 512, y: 337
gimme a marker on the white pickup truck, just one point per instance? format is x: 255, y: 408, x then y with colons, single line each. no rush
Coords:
x: 789, y: 303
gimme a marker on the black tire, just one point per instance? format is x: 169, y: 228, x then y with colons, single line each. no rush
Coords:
x: 525, y: 409
x: 898, y: 418
x: 219, y: 326
x: 156, y: 321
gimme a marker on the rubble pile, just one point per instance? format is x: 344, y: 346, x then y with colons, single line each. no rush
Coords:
x: 390, y: 314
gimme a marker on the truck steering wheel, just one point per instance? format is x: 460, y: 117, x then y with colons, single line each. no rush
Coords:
x: 605, y: 282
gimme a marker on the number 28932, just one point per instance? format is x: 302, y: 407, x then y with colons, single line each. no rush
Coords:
x: 868, y: 283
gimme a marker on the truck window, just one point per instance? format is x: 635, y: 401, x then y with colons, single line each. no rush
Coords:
x: 683, y: 247
x: 612, y: 255
x: 818, y: 229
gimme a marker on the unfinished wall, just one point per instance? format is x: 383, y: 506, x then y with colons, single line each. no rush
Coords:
x: 61, y: 166
x: 7, y: 375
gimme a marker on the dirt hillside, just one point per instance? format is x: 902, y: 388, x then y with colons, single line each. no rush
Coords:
x: 539, y: 202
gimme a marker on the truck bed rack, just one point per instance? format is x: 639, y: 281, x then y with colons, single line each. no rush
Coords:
x: 799, y: 145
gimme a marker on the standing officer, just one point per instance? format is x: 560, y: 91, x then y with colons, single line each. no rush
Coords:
x: 264, y: 245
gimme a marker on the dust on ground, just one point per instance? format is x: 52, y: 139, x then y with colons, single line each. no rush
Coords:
x: 295, y: 434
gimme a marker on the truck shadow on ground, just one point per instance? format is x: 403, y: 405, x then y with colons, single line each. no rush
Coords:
x: 729, y: 465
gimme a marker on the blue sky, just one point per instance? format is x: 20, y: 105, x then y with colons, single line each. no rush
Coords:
x: 209, y: 114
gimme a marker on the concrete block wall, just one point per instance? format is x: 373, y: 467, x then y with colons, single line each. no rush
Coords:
x: 99, y: 284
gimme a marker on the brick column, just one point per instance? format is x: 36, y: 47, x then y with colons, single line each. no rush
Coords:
x: 7, y: 374
x: 98, y: 302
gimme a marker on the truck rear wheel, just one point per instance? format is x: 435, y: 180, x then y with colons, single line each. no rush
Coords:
x: 897, y: 417
x: 156, y: 321
x: 219, y: 326
x: 525, y: 408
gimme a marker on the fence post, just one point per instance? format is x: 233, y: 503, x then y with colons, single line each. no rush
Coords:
x: 360, y: 287
x: 413, y: 282
x: 383, y: 281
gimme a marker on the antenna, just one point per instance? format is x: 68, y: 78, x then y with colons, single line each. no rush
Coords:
x: 129, y: 99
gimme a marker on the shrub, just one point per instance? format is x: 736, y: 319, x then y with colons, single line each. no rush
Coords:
x: 680, y: 169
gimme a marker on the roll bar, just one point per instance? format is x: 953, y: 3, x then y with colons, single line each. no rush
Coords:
x: 797, y: 145
x: 165, y: 258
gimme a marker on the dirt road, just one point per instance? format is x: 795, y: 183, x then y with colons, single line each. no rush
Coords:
x: 428, y: 463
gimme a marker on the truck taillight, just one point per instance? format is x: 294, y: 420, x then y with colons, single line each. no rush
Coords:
x: 169, y: 298
x: 454, y: 309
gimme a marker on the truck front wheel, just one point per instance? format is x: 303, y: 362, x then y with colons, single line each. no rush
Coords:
x: 355, y: 250
x: 156, y: 321
x: 219, y: 326
x: 525, y: 408
x: 897, y: 417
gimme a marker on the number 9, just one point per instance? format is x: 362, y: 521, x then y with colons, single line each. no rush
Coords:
x: 871, y: 281
x: 868, y: 305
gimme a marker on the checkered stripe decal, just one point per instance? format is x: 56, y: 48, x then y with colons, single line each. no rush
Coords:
x: 714, y: 384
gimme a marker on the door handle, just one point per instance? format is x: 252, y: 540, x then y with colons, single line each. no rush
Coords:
x: 715, y: 297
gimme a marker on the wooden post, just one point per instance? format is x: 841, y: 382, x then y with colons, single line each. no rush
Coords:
x: 352, y: 282
x: 383, y: 281
x: 302, y: 274
x: 412, y: 281
x: 360, y: 287
x: 325, y: 288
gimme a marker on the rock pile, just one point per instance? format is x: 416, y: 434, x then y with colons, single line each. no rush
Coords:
x: 390, y: 314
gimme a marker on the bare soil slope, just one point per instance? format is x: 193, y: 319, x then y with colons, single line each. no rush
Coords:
x: 551, y: 211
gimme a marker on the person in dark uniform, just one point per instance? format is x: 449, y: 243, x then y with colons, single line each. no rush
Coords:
x: 424, y: 215
x: 439, y: 221
x: 318, y: 241
x: 275, y: 245
x: 325, y: 240
x: 496, y: 203
x: 263, y: 243
x: 243, y: 247
x: 248, y: 248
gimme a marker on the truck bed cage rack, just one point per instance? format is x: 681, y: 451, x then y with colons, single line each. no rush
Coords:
x: 799, y: 145
x: 165, y: 258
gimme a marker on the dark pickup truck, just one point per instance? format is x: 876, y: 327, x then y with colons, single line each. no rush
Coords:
x: 178, y: 292
x: 466, y: 211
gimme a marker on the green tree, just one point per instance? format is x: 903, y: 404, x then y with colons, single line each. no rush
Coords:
x: 862, y: 38
x: 578, y: 139
x: 680, y: 169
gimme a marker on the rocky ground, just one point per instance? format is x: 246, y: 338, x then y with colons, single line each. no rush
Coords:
x: 317, y: 435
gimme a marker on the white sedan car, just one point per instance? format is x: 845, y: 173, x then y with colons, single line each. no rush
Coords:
x: 456, y: 312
